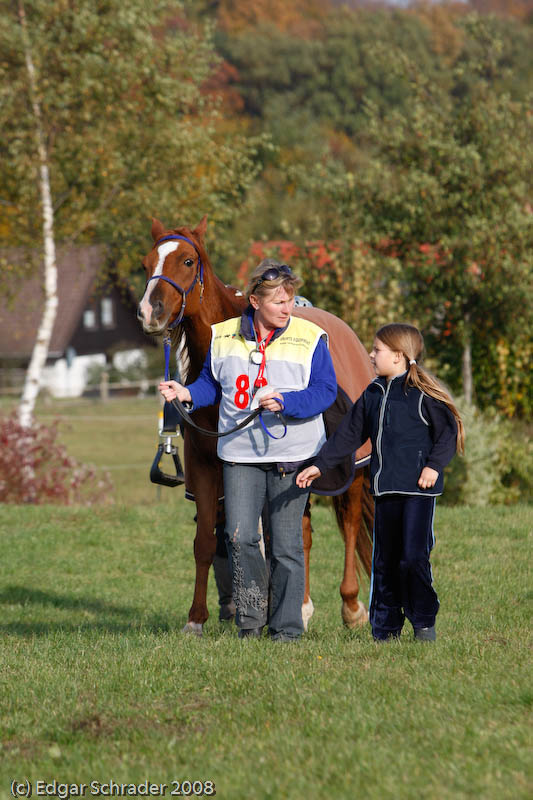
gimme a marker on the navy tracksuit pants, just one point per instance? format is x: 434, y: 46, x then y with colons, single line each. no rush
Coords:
x: 402, y: 581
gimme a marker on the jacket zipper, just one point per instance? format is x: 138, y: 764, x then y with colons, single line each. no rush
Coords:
x: 380, y: 434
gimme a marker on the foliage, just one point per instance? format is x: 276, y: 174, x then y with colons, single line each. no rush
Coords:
x: 35, y: 468
x: 497, y: 467
x: 299, y: 16
x: 330, y: 74
x: 129, y: 133
x: 445, y: 190
x: 357, y: 284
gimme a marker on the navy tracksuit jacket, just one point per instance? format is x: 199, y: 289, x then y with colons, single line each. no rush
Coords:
x: 409, y: 430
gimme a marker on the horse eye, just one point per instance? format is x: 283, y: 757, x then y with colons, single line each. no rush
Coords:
x: 188, y: 262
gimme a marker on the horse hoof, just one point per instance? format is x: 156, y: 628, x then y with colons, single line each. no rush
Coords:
x: 308, y: 610
x: 195, y: 628
x: 354, y: 619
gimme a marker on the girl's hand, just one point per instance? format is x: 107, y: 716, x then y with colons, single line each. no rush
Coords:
x: 428, y: 478
x: 306, y: 477
x: 172, y: 389
x: 271, y: 402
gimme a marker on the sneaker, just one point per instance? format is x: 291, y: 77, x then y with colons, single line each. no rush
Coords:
x: 426, y: 634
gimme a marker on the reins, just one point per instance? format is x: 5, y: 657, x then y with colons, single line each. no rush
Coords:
x: 180, y: 408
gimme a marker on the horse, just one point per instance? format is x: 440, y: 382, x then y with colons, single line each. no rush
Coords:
x: 182, y: 299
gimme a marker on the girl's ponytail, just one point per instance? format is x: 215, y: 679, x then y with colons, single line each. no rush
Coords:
x: 403, y: 338
x: 423, y: 380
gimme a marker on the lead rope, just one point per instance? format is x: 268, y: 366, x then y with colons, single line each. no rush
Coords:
x: 182, y: 411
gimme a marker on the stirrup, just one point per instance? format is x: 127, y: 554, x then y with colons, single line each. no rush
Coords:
x: 168, y: 428
x: 164, y: 478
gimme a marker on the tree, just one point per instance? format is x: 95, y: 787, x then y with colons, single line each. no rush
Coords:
x: 112, y: 109
x: 448, y: 190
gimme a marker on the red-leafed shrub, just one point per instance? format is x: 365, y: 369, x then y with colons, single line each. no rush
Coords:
x: 35, y: 468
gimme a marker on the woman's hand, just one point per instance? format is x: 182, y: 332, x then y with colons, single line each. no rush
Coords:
x: 172, y: 389
x: 272, y: 402
x: 306, y: 477
x: 428, y: 478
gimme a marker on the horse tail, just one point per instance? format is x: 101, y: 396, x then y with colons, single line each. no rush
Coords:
x: 365, y: 539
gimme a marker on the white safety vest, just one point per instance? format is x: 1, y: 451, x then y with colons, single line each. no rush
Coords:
x: 288, y: 369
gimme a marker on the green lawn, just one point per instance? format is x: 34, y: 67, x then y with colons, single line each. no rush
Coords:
x: 99, y: 684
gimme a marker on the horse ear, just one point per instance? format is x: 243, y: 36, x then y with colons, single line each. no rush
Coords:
x: 201, y: 228
x: 157, y: 229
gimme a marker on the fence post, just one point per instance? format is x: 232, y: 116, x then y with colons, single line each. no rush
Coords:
x: 104, y: 386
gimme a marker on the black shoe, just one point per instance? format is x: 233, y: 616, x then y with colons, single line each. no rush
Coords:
x: 252, y: 633
x: 426, y: 634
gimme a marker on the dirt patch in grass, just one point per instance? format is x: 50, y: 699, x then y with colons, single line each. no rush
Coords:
x: 179, y: 721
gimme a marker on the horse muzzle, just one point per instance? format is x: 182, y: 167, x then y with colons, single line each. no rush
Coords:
x: 152, y: 318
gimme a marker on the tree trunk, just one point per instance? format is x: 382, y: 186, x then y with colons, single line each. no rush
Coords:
x: 44, y: 334
x: 467, y: 362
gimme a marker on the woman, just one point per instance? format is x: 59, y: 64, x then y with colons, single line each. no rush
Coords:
x: 281, y: 363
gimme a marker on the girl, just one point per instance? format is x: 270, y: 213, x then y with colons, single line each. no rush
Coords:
x: 415, y: 430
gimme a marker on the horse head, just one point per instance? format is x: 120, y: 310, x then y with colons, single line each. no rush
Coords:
x: 174, y: 270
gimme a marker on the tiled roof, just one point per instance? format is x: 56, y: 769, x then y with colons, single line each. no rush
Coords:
x: 78, y: 268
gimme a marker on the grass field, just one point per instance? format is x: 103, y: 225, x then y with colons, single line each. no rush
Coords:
x: 119, y: 437
x: 97, y: 683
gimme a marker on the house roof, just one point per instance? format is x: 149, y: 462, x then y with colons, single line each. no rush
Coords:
x: 78, y: 268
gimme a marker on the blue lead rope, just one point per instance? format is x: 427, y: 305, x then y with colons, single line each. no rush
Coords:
x: 280, y: 418
x: 166, y: 346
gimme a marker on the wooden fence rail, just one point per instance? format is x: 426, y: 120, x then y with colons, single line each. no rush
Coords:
x: 104, y: 390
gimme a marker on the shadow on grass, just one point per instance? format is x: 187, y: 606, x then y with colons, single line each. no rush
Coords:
x: 130, y: 617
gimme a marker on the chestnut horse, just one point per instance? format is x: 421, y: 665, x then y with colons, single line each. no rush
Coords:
x: 184, y: 297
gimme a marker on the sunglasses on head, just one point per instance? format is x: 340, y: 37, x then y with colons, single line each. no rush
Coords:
x: 272, y: 273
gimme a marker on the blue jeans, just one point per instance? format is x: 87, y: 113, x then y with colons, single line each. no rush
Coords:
x: 247, y: 488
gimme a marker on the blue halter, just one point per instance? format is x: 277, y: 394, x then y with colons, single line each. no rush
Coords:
x: 199, y: 276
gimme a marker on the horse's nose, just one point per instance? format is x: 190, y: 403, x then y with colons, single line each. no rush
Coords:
x: 140, y: 315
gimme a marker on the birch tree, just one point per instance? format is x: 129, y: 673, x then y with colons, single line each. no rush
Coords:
x: 44, y: 333
x: 104, y: 124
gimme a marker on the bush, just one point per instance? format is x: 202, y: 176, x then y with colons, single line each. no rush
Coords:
x: 148, y: 364
x: 497, y: 466
x: 35, y: 468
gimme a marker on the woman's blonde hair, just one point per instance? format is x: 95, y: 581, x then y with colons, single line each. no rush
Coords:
x: 406, y: 339
x: 288, y: 280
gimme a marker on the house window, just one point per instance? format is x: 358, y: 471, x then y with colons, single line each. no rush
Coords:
x: 89, y: 319
x: 107, y: 312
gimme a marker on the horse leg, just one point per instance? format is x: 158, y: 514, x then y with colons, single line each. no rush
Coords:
x: 307, y: 534
x: 204, y: 550
x: 222, y: 570
x: 348, y: 509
